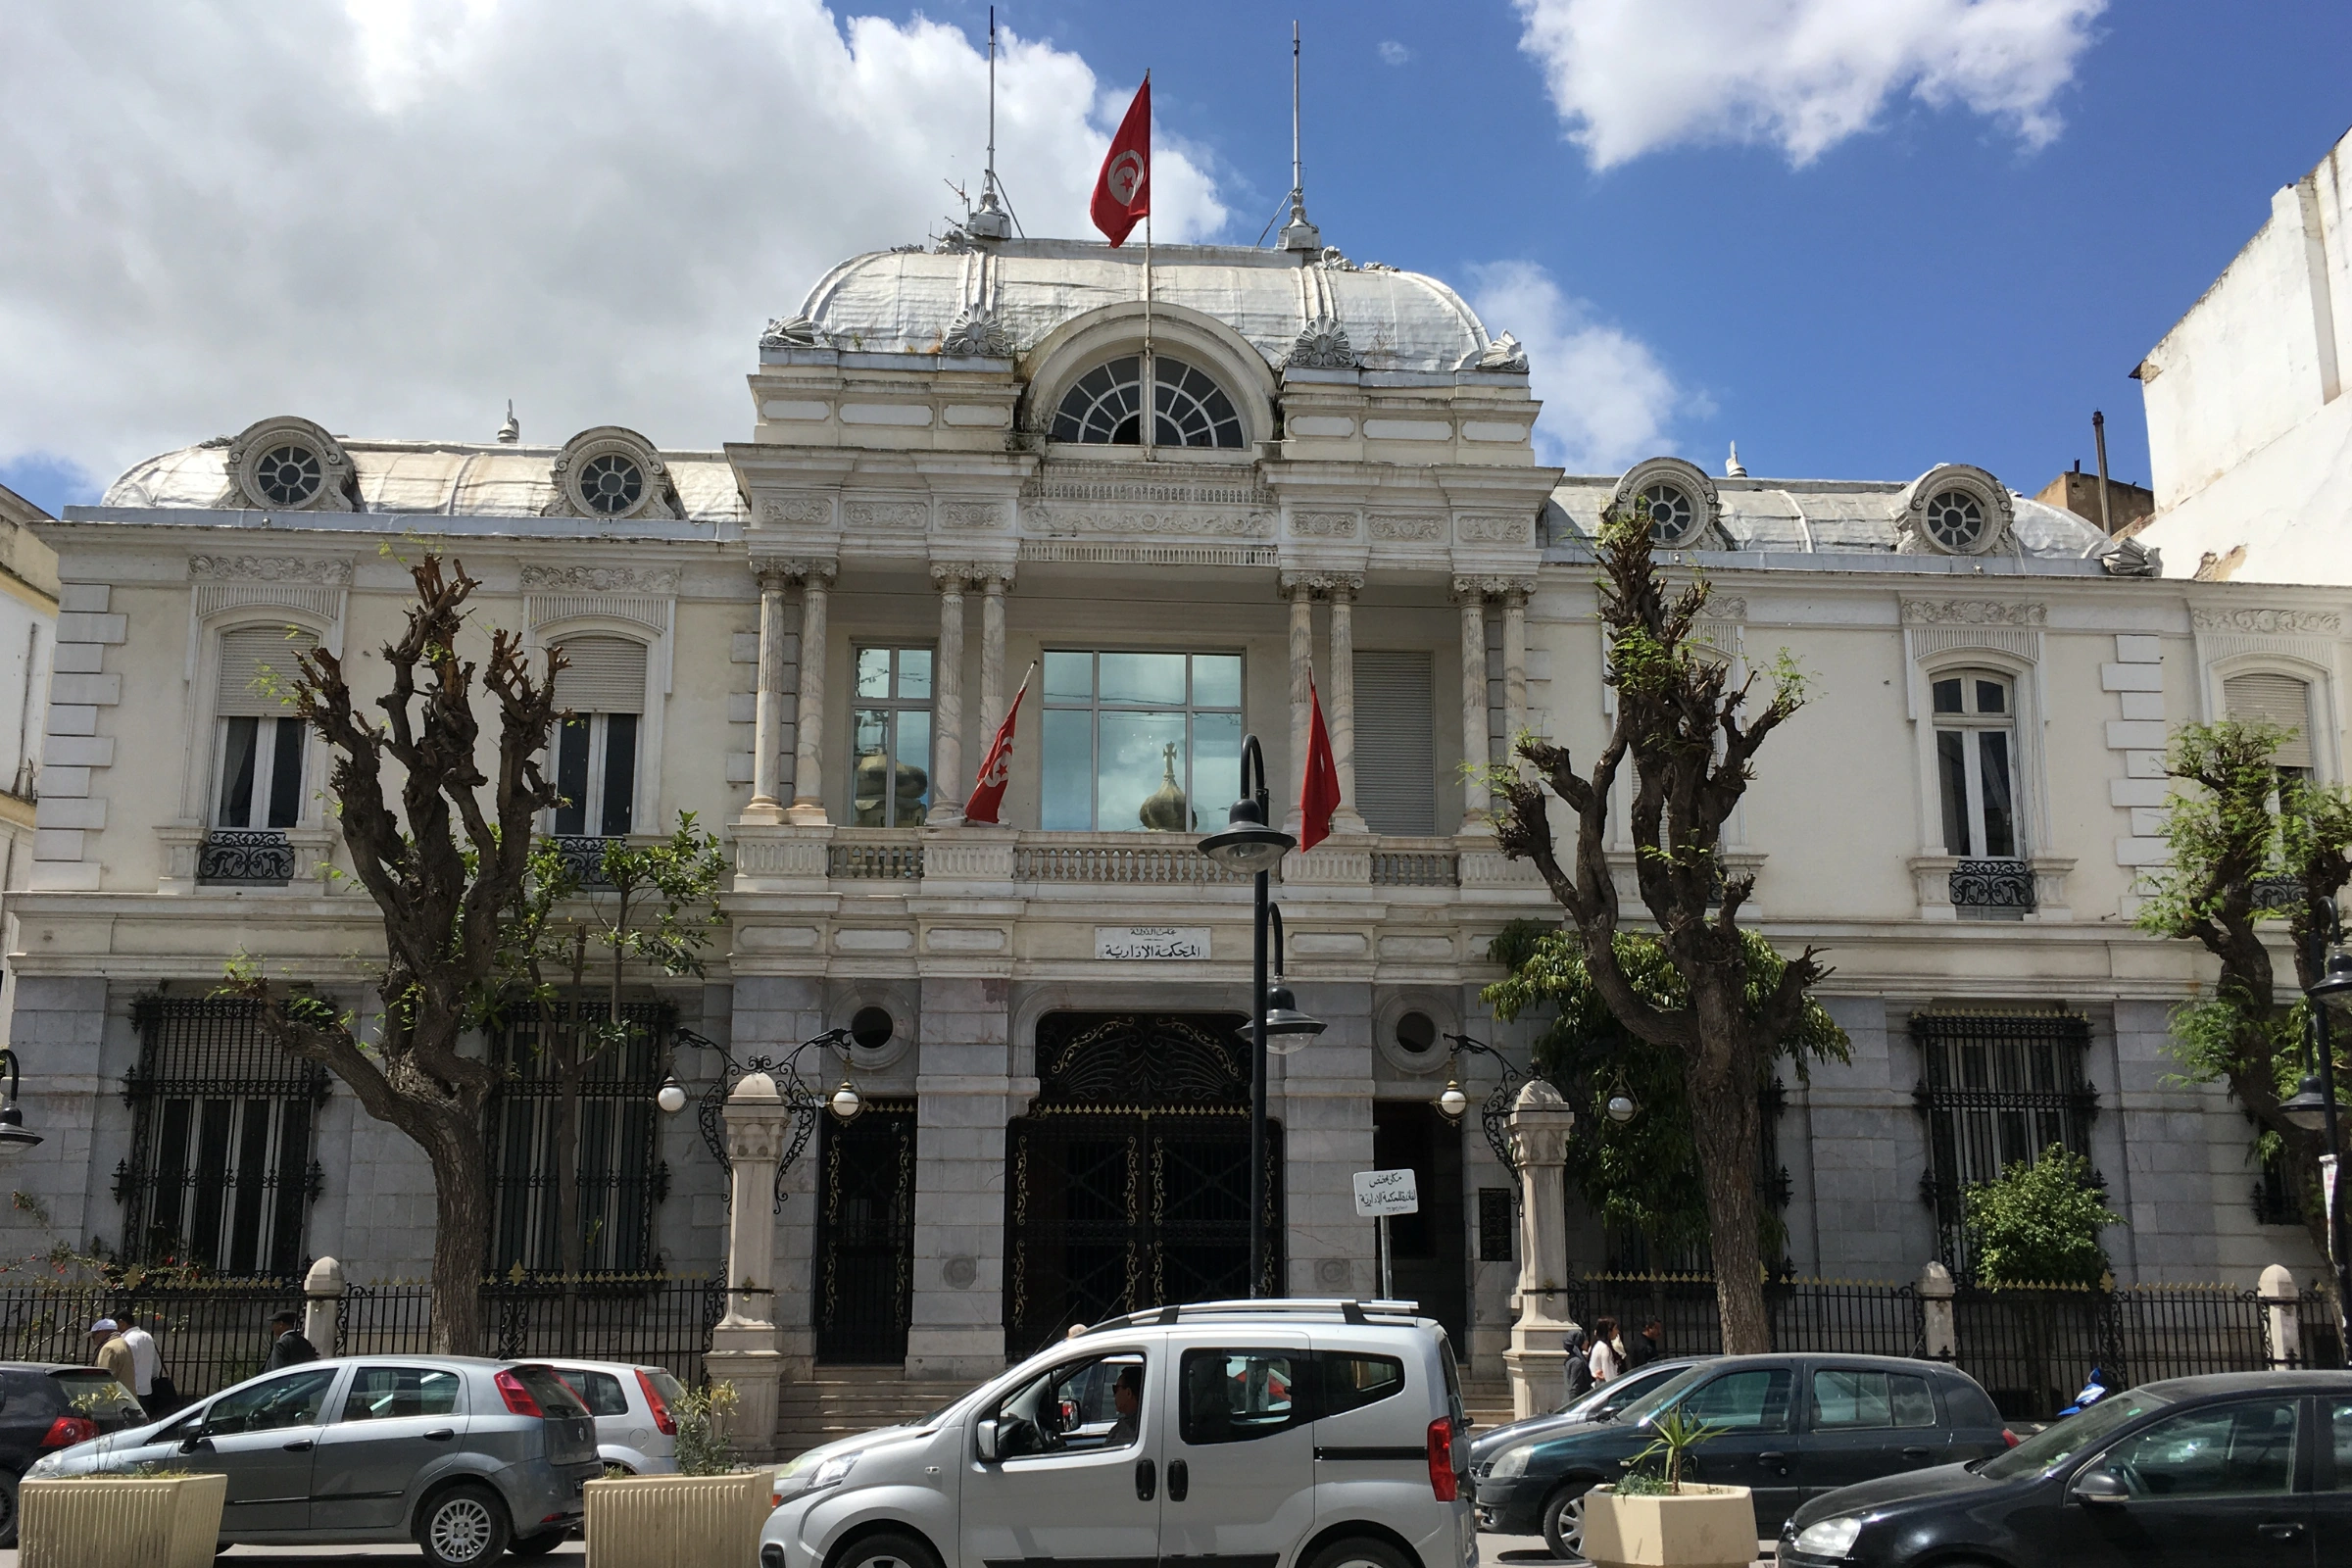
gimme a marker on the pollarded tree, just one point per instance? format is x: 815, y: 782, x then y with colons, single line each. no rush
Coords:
x: 2249, y: 840
x: 1686, y: 732
x: 445, y: 864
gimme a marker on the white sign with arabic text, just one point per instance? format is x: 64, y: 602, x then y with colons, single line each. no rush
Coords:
x: 1152, y: 944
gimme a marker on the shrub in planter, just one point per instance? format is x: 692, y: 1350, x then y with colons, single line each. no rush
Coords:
x: 1660, y: 1521
x: 708, y: 1514
x: 130, y: 1521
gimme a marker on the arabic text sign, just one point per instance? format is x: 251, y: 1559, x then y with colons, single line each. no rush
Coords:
x: 1380, y: 1193
x: 1153, y: 943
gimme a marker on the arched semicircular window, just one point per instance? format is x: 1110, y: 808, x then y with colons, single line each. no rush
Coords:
x: 1105, y: 407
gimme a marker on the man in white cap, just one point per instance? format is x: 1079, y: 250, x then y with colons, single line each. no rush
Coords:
x: 146, y: 1361
x: 110, y: 1352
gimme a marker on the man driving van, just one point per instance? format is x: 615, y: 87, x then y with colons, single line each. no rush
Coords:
x: 1127, y: 1397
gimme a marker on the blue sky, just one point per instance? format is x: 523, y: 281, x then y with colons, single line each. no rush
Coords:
x: 1942, y: 283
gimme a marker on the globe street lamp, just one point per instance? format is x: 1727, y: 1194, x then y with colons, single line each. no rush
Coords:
x: 1249, y: 845
x: 2313, y: 1108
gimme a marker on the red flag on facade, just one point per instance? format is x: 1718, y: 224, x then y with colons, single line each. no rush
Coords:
x: 1319, y: 794
x: 988, y: 792
x: 1123, y: 190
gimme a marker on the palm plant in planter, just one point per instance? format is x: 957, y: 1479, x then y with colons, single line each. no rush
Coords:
x: 1660, y: 1521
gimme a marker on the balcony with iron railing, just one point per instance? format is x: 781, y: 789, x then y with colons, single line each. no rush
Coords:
x: 1119, y: 860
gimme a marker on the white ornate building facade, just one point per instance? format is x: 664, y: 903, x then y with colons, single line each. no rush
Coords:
x: 807, y: 638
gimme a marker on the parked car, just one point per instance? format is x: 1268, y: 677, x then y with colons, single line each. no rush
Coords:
x: 1791, y: 1426
x: 2250, y: 1469
x: 1595, y: 1404
x: 467, y: 1458
x: 634, y: 1429
x: 45, y: 1407
x: 1310, y: 1434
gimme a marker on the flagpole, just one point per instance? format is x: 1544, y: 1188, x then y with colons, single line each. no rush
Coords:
x: 1150, y: 380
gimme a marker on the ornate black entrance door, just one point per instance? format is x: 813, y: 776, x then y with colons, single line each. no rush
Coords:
x: 865, y: 1236
x: 1128, y: 1182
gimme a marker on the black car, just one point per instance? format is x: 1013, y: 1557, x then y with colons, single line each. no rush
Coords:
x: 2243, y: 1469
x: 1791, y: 1427
x: 44, y: 1409
x: 1601, y: 1402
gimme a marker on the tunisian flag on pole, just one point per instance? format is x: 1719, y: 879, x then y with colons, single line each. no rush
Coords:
x: 1123, y: 190
x: 1319, y: 792
x: 988, y: 793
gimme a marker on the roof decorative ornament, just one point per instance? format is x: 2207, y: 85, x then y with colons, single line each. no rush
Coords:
x: 977, y: 334
x: 509, y: 434
x: 289, y: 463
x: 1322, y: 345
x: 2128, y: 557
x: 1505, y: 354
x: 799, y: 332
x: 1733, y: 467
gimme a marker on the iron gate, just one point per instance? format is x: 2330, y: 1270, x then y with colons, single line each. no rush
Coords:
x: 865, y: 1235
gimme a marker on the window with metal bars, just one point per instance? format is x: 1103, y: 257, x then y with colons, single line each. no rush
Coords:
x: 221, y: 1173
x: 618, y: 1174
x: 1996, y: 1090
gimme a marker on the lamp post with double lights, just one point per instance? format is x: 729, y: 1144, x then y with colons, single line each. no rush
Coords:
x: 806, y: 1106
x: 1250, y: 845
x: 1494, y: 1119
x: 2312, y: 1107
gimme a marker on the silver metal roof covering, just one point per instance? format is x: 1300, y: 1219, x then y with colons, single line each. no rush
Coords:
x: 905, y: 301
x: 1824, y: 517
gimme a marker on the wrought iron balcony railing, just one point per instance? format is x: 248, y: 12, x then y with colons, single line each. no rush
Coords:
x: 2000, y: 885
x: 239, y: 856
x: 584, y: 854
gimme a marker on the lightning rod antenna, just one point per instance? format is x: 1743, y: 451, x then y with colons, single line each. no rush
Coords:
x: 989, y: 221
x: 1297, y: 234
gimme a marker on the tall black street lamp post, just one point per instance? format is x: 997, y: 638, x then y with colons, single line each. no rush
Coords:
x: 1252, y: 846
x: 2312, y: 1107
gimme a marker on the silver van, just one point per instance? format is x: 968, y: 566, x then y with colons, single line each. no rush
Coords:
x: 1291, y: 1434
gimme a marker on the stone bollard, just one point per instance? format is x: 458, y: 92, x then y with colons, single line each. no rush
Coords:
x: 2282, y: 1323
x: 322, y: 1305
x: 1538, y: 1358
x: 743, y: 1347
x: 1940, y: 1339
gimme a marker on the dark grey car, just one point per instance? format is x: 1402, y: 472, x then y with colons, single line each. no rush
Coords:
x: 467, y: 1458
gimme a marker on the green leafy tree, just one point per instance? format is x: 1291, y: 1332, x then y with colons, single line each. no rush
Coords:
x: 2039, y: 1223
x: 1642, y: 1175
x: 2248, y: 843
x: 1691, y: 742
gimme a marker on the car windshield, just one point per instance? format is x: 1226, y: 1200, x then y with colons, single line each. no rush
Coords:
x: 2054, y: 1445
x: 1596, y: 1405
x: 1660, y: 1398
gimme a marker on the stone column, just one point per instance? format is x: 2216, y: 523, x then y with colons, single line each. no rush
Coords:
x: 1473, y: 602
x: 1339, y: 709
x: 1514, y: 672
x: 322, y: 1296
x: 992, y: 587
x: 948, y: 783
x: 1940, y: 1337
x: 1537, y: 1360
x: 808, y: 752
x: 1302, y: 594
x: 743, y: 1347
x: 767, y: 728
x: 2282, y: 1324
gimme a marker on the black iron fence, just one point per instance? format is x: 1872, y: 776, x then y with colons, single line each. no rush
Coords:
x: 215, y: 1334
x: 1859, y: 1319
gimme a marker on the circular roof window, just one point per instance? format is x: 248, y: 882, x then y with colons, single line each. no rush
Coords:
x: 1670, y: 513
x: 611, y: 484
x: 289, y: 474
x: 871, y: 1028
x: 1955, y: 521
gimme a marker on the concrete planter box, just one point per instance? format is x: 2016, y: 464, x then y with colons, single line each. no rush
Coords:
x: 1698, y: 1527
x: 677, y: 1521
x: 119, y: 1522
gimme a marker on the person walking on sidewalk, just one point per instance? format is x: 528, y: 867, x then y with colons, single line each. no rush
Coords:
x: 1609, y: 1353
x: 109, y: 1353
x: 290, y: 1349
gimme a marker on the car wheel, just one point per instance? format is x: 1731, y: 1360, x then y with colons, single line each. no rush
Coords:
x: 1564, y: 1521
x: 7, y: 1510
x: 1359, y: 1552
x: 539, y: 1545
x: 463, y: 1528
x: 886, y: 1550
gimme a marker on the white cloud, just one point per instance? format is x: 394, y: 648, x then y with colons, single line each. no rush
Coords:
x: 1606, y: 399
x: 392, y: 215
x: 1393, y: 53
x: 1630, y: 76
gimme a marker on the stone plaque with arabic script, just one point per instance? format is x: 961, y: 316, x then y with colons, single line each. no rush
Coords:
x: 1153, y: 943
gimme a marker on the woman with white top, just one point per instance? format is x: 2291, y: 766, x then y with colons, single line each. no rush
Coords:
x: 1607, y: 1359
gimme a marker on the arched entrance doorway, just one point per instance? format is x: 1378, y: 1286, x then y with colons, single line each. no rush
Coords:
x: 1128, y: 1182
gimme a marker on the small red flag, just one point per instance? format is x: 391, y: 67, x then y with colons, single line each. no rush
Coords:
x: 1123, y: 190
x: 988, y: 793
x: 1319, y: 794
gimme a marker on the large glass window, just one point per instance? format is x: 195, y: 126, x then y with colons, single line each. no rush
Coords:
x: 891, y: 777
x: 1132, y: 740
x: 1975, y: 763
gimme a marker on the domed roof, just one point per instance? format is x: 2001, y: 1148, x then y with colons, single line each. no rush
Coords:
x: 907, y: 301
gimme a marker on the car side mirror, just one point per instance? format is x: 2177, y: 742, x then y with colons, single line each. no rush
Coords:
x: 2099, y: 1488
x: 984, y: 1438
x: 196, y: 1441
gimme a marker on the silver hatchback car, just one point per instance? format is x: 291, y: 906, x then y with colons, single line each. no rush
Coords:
x: 467, y: 1458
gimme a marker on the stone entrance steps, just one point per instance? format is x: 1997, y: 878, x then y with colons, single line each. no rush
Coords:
x: 840, y: 1401
x: 1489, y: 1404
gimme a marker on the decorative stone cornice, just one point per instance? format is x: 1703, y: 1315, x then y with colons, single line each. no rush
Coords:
x: 324, y: 571
x: 1493, y: 528
x: 2269, y: 623
x: 801, y: 508
x: 1137, y: 497
x: 1974, y: 612
x: 965, y: 515
x: 911, y: 514
x: 1725, y: 607
x: 1407, y: 525
x: 794, y: 569
x: 600, y: 579
x: 1323, y: 525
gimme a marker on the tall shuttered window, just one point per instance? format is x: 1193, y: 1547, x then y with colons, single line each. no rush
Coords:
x: 221, y: 1172
x: 1395, y: 744
x: 603, y: 687
x: 255, y: 736
x: 2279, y: 700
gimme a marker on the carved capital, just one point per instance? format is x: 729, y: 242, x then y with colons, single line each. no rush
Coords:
x: 954, y: 576
x: 1321, y: 584
x: 1483, y: 588
x: 790, y: 568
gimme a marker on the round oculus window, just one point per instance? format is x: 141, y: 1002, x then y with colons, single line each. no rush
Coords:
x: 871, y: 1028
x: 288, y: 475
x: 1955, y: 521
x: 611, y: 484
x: 1669, y: 512
x: 1416, y: 1034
